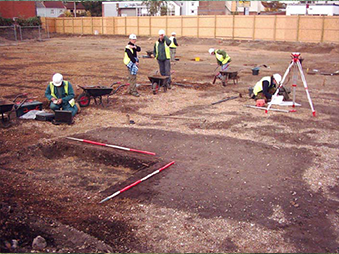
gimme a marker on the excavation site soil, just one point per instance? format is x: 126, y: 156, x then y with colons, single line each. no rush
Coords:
x: 243, y: 180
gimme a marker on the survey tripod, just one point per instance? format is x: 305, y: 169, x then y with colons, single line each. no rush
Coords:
x: 295, y: 65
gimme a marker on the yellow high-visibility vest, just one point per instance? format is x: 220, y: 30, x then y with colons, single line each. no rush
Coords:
x: 172, y: 45
x: 52, y: 87
x: 126, y: 58
x: 258, y: 86
x: 167, y: 50
x: 221, y: 58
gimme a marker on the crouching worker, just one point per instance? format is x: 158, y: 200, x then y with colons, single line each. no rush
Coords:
x: 61, y: 95
x: 223, y: 59
x: 266, y: 87
x: 132, y: 63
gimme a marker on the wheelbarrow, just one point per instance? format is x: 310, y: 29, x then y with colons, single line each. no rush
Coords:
x: 96, y: 92
x: 8, y: 107
x: 157, y: 82
x: 226, y: 76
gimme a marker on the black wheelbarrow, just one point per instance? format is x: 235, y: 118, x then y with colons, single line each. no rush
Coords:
x: 7, y: 108
x: 226, y: 76
x: 96, y: 92
x: 157, y: 82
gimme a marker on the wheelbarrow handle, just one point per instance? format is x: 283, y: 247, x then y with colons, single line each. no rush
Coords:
x: 116, y: 90
x: 114, y: 83
x: 20, y: 95
x: 81, y: 87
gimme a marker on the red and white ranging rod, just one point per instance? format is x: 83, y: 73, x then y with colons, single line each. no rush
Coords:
x: 137, y: 182
x: 113, y: 146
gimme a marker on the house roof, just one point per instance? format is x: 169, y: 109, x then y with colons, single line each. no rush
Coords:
x: 70, y: 6
x: 40, y: 4
x: 54, y: 4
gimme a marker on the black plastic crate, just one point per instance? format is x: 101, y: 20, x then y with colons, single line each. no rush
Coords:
x: 45, y: 116
x: 28, y: 106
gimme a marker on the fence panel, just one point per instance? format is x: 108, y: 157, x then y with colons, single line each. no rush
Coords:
x: 224, y: 26
x: 264, y: 28
x: 157, y: 23
x: 144, y: 27
x: 286, y: 28
x: 174, y: 25
x: 276, y: 28
x: 243, y: 27
x: 331, y: 29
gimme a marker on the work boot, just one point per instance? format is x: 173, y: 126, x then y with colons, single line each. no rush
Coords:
x: 79, y: 108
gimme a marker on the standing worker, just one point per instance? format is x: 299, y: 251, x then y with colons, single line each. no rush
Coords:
x: 132, y: 62
x: 173, y: 46
x: 223, y: 59
x: 61, y: 95
x: 266, y: 87
x: 163, y: 55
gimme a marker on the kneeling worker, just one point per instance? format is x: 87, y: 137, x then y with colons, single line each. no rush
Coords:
x: 266, y: 87
x: 61, y: 95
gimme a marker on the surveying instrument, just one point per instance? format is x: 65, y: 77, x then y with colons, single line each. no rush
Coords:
x: 295, y: 65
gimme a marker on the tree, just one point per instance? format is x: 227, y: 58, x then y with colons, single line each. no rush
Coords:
x: 273, y: 5
x: 154, y: 7
x: 95, y: 8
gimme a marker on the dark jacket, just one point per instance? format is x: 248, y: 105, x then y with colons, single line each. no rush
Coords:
x: 175, y: 41
x: 266, y: 87
x: 133, y: 55
x: 60, y: 93
x: 161, y: 49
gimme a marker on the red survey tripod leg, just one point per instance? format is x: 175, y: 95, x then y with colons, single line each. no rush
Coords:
x: 294, y: 81
x: 295, y: 63
x: 281, y: 84
x: 306, y: 87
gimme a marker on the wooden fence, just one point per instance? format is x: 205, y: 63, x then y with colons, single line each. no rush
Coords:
x: 238, y: 27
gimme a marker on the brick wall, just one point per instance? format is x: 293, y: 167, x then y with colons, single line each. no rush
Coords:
x: 211, y: 8
x: 22, y: 9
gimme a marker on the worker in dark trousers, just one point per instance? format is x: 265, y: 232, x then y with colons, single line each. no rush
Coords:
x: 163, y: 55
x: 266, y: 87
x: 132, y: 63
x: 173, y: 46
x: 61, y: 95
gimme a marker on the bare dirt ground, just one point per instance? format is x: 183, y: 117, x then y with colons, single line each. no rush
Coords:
x: 243, y: 181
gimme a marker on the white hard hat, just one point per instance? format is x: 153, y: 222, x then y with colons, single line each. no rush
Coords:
x: 161, y: 31
x: 277, y: 78
x: 57, y: 79
x: 211, y: 50
x: 132, y: 37
x: 174, y: 33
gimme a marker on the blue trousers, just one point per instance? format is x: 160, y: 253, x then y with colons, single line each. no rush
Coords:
x: 64, y: 106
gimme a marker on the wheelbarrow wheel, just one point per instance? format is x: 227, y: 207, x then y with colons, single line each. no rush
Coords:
x: 5, y: 123
x: 84, y: 100
x: 155, y: 87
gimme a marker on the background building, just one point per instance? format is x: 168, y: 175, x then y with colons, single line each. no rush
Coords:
x: 324, y: 9
x: 188, y: 7
x: 50, y: 9
x: 137, y: 8
x: 212, y: 8
x: 77, y: 9
x: 17, y: 9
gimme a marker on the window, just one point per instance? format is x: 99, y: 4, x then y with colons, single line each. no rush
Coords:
x: 192, y: 4
x: 60, y: 11
x: 192, y: 11
x: 52, y: 11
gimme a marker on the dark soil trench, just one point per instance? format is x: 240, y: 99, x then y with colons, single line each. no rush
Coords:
x: 208, y: 178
